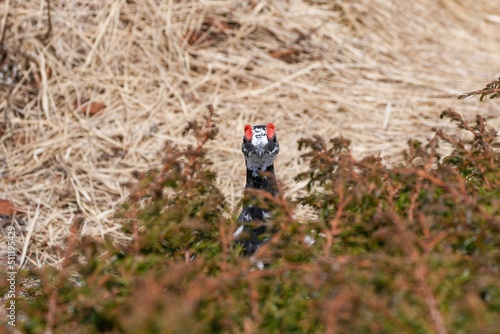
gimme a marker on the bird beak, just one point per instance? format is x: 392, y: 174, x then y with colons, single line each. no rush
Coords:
x: 260, y: 151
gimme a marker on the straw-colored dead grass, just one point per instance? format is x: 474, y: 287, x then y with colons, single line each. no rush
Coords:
x: 377, y: 72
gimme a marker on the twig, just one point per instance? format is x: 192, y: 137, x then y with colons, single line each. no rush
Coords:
x: 430, y: 300
x: 482, y: 92
x: 334, y: 223
x: 50, y: 317
x: 4, y: 23
x: 413, y: 200
x: 135, y: 228
x: 420, y: 271
x: 28, y: 235
x: 387, y: 116
x: 49, y: 28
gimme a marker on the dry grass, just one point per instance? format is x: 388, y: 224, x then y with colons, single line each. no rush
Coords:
x: 377, y: 72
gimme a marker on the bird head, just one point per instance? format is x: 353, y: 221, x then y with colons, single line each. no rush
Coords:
x: 260, y: 147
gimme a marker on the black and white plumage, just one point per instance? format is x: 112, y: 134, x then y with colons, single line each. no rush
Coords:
x: 260, y: 147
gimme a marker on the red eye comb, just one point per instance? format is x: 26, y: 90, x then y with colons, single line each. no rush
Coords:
x: 248, y: 132
x: 270, y: 130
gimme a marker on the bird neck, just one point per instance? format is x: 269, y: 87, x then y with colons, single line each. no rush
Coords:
x: 265, y: 180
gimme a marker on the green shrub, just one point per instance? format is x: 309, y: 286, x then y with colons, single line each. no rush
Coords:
x: 408, y: 249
